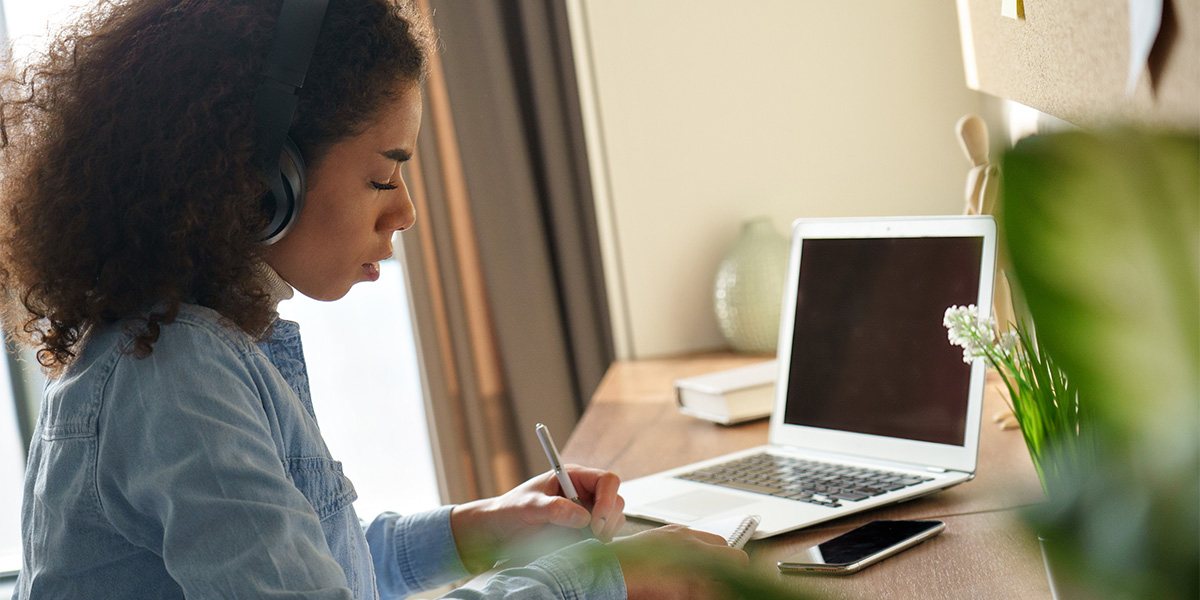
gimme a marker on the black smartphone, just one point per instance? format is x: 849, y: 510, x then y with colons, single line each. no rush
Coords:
x: 861, y: 547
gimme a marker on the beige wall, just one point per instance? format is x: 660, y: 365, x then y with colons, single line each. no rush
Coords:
x: 702, y: 113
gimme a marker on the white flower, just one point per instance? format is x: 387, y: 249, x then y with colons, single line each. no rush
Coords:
x: 967, y: 328
x: 1008, y: 342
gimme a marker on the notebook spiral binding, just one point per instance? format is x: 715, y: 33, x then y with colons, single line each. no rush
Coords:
x: 744, y: 530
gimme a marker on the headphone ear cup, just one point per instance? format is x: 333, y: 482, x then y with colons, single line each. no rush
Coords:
x: 285, y: 198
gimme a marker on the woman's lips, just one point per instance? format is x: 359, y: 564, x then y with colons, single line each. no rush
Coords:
x: 372, y: 271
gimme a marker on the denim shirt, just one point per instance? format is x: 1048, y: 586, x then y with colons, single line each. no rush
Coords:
x: 200, y: 472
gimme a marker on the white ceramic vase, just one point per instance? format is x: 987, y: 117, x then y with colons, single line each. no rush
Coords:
x: 748, y: 291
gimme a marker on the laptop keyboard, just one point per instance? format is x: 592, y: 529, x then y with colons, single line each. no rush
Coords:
x: 802, y: 480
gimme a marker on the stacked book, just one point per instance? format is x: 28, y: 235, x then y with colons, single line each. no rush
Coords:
x: 731, y: 396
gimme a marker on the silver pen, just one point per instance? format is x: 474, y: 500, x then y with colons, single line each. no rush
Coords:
x: 564, y: 480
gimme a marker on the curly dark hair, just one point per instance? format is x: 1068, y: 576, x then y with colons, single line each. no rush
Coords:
x: 131, y: 182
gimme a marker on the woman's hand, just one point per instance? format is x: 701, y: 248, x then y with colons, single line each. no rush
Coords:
x: 674, y: 562
x: 486, y: 530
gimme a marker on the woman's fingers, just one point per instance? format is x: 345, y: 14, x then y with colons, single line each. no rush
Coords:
x: 612, y: 522
x: 564, y: 513
x: 711, y: 545
x: 607, y: 506
x: 674, y: 561
x: 597, y: 491
x: 666, y: 543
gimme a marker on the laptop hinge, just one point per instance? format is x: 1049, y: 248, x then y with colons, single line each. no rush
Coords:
x: 935, y: 469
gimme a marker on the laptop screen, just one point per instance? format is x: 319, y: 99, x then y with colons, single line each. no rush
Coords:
x: 869, y: 352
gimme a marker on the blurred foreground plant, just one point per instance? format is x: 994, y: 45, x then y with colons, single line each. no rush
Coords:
x: 1104, y: 234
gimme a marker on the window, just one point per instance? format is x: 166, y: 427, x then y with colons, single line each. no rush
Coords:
x: 25, y: 23
x: 366, y: 388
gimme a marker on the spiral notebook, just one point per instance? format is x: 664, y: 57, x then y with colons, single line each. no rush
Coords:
x: 736, y: 530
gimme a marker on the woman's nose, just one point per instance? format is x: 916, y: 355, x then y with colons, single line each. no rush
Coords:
x: 400, y: 214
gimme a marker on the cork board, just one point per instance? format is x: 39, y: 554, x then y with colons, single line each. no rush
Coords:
x: 1070, y: 58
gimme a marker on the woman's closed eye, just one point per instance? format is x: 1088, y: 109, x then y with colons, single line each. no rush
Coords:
x: 384, y: 186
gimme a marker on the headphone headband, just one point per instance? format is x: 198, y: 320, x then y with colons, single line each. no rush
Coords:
x: 295, y: 39
x: 284, y: 71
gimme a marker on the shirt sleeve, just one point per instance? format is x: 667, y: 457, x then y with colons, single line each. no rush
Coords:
x: 417, y: 552
x: 413, y: 552
x: 188, y: 469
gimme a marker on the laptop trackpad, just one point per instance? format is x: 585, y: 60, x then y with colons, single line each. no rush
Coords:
x: 697, y: 505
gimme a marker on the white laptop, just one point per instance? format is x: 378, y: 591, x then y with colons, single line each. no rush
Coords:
x: 873, y: 405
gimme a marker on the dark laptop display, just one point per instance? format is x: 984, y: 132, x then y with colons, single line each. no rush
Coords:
x: 869, y: 352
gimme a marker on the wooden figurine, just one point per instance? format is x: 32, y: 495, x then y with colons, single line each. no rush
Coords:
x: 983, y: 179
x: 983, y: 182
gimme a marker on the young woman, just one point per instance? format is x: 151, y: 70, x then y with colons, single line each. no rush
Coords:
x: 176, y: 452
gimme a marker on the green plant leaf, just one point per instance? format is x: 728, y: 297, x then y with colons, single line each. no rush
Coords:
x: 1105, y: 237
x: 1104, y: 234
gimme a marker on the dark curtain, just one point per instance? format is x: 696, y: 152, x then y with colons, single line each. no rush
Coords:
x: 506, y: 274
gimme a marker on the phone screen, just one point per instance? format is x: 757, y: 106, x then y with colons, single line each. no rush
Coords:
x: 857, y: 544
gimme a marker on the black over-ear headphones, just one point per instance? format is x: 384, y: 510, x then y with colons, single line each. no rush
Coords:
x: 275, y: 103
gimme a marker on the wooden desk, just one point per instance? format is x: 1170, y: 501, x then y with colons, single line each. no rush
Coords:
x: 633, y: 429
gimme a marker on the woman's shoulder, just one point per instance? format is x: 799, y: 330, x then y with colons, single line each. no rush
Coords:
x: 196, y: 333
x: 196, y: 351
x: 200, y: 322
